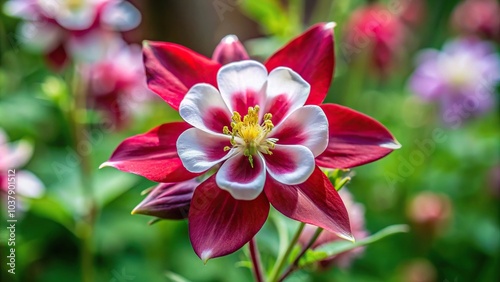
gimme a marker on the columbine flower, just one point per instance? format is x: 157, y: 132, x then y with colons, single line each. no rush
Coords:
x: 71, y: 27
x: 14, y: 156
x: 117, y: 82
x: 356, y: 213
x: 461, y: 78
x: 377, y: 31
x: 265, y: 128
x: 478, y: 17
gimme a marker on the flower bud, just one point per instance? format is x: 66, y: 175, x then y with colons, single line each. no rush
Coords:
x: 430, y: 213
x: 376, y: 31
x: 478, y: 17
x: 418, y: 270
x: 229, y: 50
x: 168, y: 200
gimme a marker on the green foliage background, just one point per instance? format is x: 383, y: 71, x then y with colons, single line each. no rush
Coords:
x: 33, y: 106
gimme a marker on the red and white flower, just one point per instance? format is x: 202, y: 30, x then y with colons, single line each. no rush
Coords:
x: 117, y: 83
x: 264, y: 125
x: 79, y: 29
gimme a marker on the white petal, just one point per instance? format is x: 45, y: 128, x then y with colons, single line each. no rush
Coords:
x: 203, y: 108
x: 20, y: 8
x: 40, y: 36
x: 241, y: 85
x: 286, y: 92
x: 240, y: 179
x: 18, y: 154
x: 121, y: 16
x: 290, y: 164
x: 93, y: 46
x: 28, y: 185
x: 199, y: 151
x: 307, y: 126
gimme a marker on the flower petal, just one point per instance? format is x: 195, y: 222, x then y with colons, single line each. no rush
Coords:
x: 153, y: 154
x: 286, y: 92
x: 307, y: 126
x: 168, y: 200
x: 122, y: 16
x: 355, y: 139
x: 172, y: 69
x: 219, y: 224
x: 315, y: 202
x: 311, y: 56
x: 239, y: 178
x: 17, y: 154
x: 203, y: 108
x: 40, y: 36
x: 241, y: 85
x: 229, y: 50
x: 290, y: 164
x: 58, y: 58
x: 199, y: 151
x: 28, y: 185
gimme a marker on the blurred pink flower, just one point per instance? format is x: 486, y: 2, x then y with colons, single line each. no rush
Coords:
x: 75, y: 28
x: 13, y: 156
x: 430, y: 212
x: 461, y: 78
x: 479, y: 18
x: 377, y: 31
x: 356, y: 212
x: 117, y: 83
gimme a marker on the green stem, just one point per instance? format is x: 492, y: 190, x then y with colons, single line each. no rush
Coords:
x: 257, y: 265
x: 295, y: 265
x: 86, y: 224
x: 281, y: 261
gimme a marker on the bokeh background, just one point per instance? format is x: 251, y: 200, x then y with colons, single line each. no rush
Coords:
x: 443, y: 182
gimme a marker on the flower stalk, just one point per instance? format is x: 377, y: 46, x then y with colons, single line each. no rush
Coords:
x: 280, y: 263
x: 256, y: 263
x: 86, y: 225
x: 295, y: 264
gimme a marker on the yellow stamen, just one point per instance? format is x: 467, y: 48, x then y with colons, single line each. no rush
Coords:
x: 252, y: 135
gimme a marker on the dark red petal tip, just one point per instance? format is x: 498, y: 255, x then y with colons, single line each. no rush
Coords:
x: 152, y: 154
x: 311, y: 56
x: 230, y: 50
x: 219, y: 224
x: 314, y: 202
x: 355, y: 139
x: 172, y: 69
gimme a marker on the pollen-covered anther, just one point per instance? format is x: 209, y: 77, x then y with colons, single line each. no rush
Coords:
x: 250, y: 136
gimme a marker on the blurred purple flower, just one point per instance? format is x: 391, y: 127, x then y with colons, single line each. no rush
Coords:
x: 13, y: 156
x: 117, y: 83
x: 75, y: 28
x: 461, y: 78
x: 356, y: 213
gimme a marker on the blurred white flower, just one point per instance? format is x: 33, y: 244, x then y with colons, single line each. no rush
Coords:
x: 14, y: 155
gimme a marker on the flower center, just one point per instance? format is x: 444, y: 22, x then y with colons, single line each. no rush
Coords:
x: 74, y: 5
x: 252, y: 136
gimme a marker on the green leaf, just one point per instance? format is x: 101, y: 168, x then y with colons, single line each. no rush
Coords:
x: 52, y: 209
x: 174, y: 277
x: 339, y: 247
x: 109, y: 185
x: 271, y: 14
